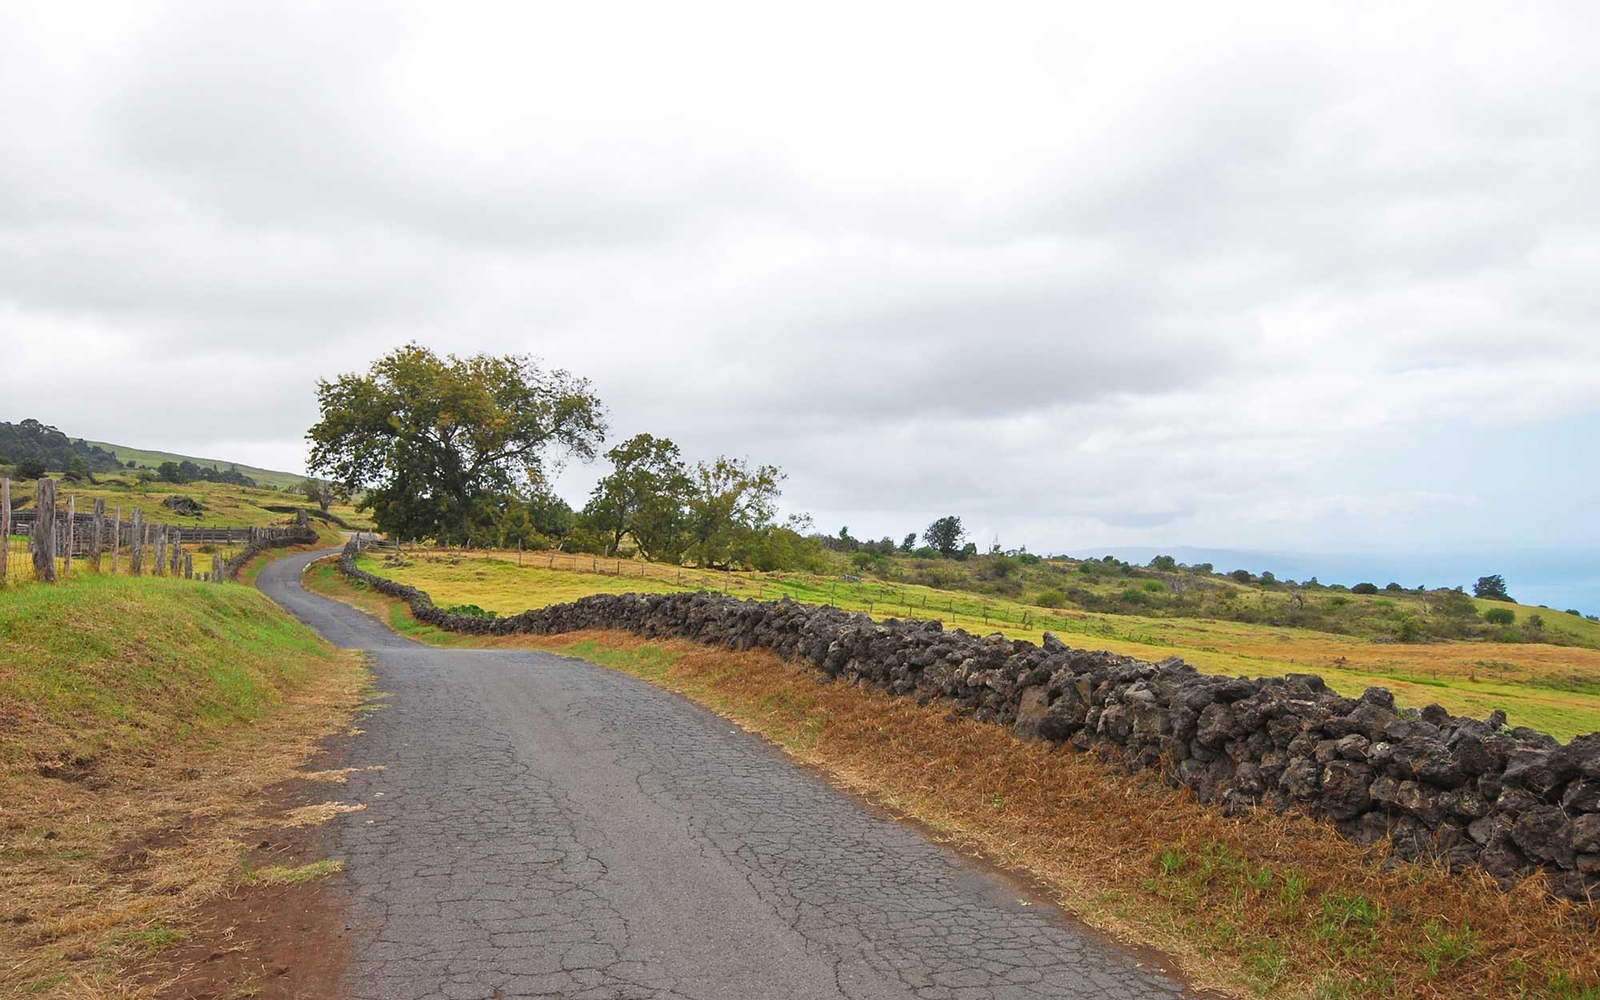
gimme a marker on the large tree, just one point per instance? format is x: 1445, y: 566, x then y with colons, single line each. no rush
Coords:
x: 945, y: 535
x: 730, y: 504
x: 644, y: 497
x: 434, y: 444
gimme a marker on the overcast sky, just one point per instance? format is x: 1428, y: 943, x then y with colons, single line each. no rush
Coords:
x: 1221, y: 275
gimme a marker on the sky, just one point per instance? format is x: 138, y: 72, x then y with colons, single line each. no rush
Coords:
x: 1311, y: 279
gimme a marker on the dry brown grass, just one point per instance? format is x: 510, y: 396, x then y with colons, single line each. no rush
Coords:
x: 100, y: 872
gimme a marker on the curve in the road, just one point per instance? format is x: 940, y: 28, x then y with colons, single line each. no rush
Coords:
x: 544, y: 827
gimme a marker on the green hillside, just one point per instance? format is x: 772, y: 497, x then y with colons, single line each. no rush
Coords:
x: 152, y: 459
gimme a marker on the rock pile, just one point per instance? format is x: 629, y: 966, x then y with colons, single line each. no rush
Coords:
x: 1469, y: 792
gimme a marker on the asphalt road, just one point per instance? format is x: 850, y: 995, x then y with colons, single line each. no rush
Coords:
x: 543, y: 827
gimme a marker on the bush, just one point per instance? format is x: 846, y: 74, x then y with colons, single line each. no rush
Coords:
x: 1241, y: 575
x: 1364, y: 588
x: 472, y: 610
x: 30, y: 468
x: 1050, y: 599
x: 1393, y: 587
x: 1154, y: 586
x: 1087, y: 569
x: 1500, y: 616
x: 1165, y: 564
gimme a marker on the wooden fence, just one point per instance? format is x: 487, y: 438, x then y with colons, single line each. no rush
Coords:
x: 58, y: 539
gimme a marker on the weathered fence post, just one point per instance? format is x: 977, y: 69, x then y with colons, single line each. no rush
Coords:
x: 44, y: 535
x: 70, y: 532
x: 160, y: 567
x: 116, y: 541
x: 5, y: 530
x: 136, y: 564
x: 177, y: 550
x: 188, y: 566
x: 95, y: 540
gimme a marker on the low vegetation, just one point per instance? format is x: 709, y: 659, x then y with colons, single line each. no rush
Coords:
x: 1264, y: 905
x: 142, y: 720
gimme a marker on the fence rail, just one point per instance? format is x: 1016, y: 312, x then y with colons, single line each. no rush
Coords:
x: 57, y: 540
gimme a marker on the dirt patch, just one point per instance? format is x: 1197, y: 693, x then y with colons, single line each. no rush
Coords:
x: 274, y: 941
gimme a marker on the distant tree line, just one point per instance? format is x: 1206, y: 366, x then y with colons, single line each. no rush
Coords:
x: 189, y: 472
x: 40, y: 448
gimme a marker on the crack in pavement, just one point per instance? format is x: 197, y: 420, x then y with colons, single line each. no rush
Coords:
x: 545, y: 827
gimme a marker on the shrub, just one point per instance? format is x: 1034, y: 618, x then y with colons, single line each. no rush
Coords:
x: 30, y: 468
x: 473, y: 611
x: 1241, y: 575
x: 1050, y: 599
x: 1087, y: 569
x: 1500, y: 616
x: 1133, y: 595
x: 1535, y: 623
x: 1393, y: 587
x: 1364, y: 588
x: 1165, y: 564
x: 1268, y: 577
x: 1154, y: 586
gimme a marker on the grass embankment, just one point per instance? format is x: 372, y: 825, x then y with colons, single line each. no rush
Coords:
x: 140, y: 721
x: 1273, y: 906
x: 1552, y: 688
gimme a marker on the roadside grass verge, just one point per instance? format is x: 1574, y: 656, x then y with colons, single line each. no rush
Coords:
x: 140, y: 722
x: 1555, y: 689
x: 1263, y: 905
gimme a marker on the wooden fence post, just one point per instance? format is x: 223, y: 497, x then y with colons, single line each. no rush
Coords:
x: 188, y: 566
x: 5, y: 530
x: 177, y: 551
x: 70, y: 532
x: 136, y: 540
x: 44, y: 535
x: 160, y: 567
x: 116, y: 541
x: 95, y: 541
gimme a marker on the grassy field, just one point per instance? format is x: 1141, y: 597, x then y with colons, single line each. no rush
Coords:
x: 153, y: 459
x: 133, y: 708
x: 223, y: 505
x: 1549, y: 687
x: 1270, y: 906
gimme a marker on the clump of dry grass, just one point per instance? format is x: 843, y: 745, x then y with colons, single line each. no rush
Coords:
x: 1280, y: 906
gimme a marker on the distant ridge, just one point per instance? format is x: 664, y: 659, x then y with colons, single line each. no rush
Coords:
x: 152, y: 459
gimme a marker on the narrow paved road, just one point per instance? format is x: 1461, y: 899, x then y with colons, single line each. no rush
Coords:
x: 543, y: 827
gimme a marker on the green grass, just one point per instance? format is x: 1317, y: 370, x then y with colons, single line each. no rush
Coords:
x: 1548, y: 687
x: 102, y: 662
x: 282, y: 875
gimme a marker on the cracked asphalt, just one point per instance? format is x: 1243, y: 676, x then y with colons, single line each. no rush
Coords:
x: 544, y: 827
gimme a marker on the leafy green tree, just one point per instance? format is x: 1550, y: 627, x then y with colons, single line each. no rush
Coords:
x: 320, y: 492
x: 945, y: 535
x: 1491, y: 588
x: 430, y: 442
x: 170, y: 472
x: 644, y: 497
x: 909, y: 543
x: 730, y: 503
x: 1364, y: 588
x: 1165, y: 564
x: 30, y: 468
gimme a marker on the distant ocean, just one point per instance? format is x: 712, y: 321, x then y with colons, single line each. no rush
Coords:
x: 1559, y: 578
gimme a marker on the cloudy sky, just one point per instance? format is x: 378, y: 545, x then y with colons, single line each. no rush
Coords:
x: 1244, y: 276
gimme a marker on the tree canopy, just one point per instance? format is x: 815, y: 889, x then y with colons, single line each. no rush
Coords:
x: 945, y: 535
x: 1491, y: 588
x: 644, y: 497
x: 434, y: 445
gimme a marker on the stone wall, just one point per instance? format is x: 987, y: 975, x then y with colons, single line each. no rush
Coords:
x: 1469, y: 792
x: 259, y: 540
